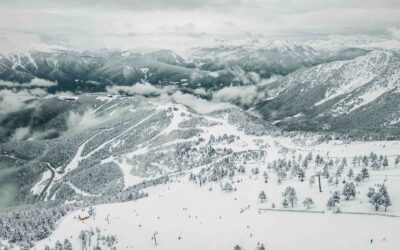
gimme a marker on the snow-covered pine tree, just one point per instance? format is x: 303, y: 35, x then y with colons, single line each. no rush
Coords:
x: 339, y: 171
x: 375, y: 165
x: 358, y: 178
x: 349, y: 190
x: 67, y: 245
x: 371, y: 192
x: 304, y: 164
x: 350, y: 174
x: 384, y: 192
x: 237, y: 247
x: 325, y: 172
x: 385, y: 163
x: 331, y: 203
x: 377, y: 200
x: 260, y: 246
x: 335, y: 198
x: 308, y: 202
x: 397, y: 161
x: 285, y: 203
x: 58, y: 246
x: 290, y: 195
x: 227, y: 187
x: 262, y: 196
x: 301, y: 174
x: 364, y: 173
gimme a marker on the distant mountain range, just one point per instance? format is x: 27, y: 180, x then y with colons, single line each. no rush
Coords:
x: 338, y: 88
x: 211, y: 67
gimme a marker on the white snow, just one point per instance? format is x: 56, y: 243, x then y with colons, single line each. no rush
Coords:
x: 38, y: 187
x: 206, y: 219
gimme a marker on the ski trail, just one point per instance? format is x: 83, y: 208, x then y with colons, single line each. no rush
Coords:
x: 118, y: 136
x: 74, y: 163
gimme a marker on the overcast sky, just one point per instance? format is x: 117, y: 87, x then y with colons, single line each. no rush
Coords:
x: 166, y: 23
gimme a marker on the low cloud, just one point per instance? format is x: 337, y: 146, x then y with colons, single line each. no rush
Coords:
x: 20, y: 134
x: 200, y: 91
x: 36, y: 82
x: 198, y: 104
x: 12, y: 100
x: 242, y: 95
x: 79, y: 122
x: 145, y: 89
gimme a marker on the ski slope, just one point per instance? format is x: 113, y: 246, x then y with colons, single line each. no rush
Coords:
x: 186, y: 216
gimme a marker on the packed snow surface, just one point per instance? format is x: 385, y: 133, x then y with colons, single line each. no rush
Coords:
x: 184, y: 215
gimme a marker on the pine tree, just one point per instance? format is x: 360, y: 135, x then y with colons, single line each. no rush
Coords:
x: 365, y: 161
x: 325, y: 172
x: 67, y: 245
x: 262, y: 196
x: 58, y: 246
x: 304, y: 164
x: 335, y: 198
x: 308, y: 202
x: 371, y: 192
x: 375, y: 165
x: 237, y: 247
x: 227, y: 187
x: 387, y: 201
x: 385, y: 162
x: 339, y: 171
x: 358, y: 178
x: 397, y: 161
x: 260, y: 247
x: 377, y: 200
x: 301, y: 174
x: 349, y: 190
x: 364, y: 173
x: 331, y: 203
x: 290, y: 195
x: 330, y: 180
x: 285, y: 203
x: 350, y: 174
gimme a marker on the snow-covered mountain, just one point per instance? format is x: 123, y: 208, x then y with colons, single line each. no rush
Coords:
x: 362, y: 93
x: 211, y: 68
x: 264, y: 58
x: 94, y: 132
x: 92, y: 71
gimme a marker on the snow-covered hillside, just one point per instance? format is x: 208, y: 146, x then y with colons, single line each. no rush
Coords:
x: 332, y: 96
x: 185, y: 215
